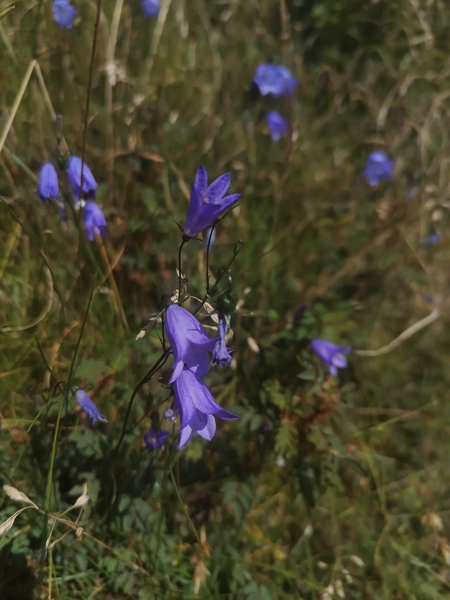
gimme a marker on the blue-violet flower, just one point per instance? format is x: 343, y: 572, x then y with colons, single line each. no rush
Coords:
x: 74, y: 174
x: 277, y: 124
x: 221, y: 354
x: 155, y: 439
x: 64, y: 13
x: 150, y: 8
x: 197, y: 407
x: 331, y: 354
x: 48, y: 186
x: 432, y: 239
x: 378, y: 167
x: 89, y: 407
x: 207, y: 203
x: 275, y: 79
x: 189, y: 342
x: 94, y: 220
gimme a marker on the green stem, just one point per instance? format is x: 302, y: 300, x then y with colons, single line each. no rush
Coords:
x: 186, y: 514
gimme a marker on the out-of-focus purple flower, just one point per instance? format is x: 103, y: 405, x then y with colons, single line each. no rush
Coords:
x: 64, y: 13
x: 150, y: 8
x: 210, y: 238
x: 332, y: 355
x: 207, y: 202
x: 278, y: 125
x: 155, y: 439
x: 89, y: 407
x: 171, y: 414
x: 379, y: 166
x: 189, y: 342
x: 221, y: 354
x: 48, y: 186
x: 197, y: 407
x: 275, y: 79
x: 432, y: 239
x: 94, y: 220
x: 74, y: 175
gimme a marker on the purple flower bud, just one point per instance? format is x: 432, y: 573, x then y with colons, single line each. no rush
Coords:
x: 332, y: 355
x: 48, y: 186
x: 207, y: 203
x: 275, y: 79
x: 378, y: 167
x: 189, y: 342
x: 94, y: 220
x: 74, y: 175
x: 150, y: 8
x: 221, y: 354
x: 197, y: 407
x: 155, y: 439
x: 64, y: 13
x: 432, y: 239
x: 89, y: 407
x: 278, y: 125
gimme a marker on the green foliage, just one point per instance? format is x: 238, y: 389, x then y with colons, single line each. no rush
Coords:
x: 325, y: 485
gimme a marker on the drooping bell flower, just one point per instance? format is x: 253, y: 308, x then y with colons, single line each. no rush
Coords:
x: 89, y: 407
x: 379, y: 166
x: 155, y: 439
x: 221, y: 354
x: 150, y: 8
x: 74, y: 175
x: 64, y: 13
x: 275, y: 79
x: 48, y: 187
x: 207, y: 202
x: 277, y: 124
x: 189, y: 342
x: 197, y: 408
x: 331, y: 354
x: 94, y: 220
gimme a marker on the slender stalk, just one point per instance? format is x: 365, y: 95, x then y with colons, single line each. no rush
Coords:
x: 186, y: 514
x: 180, y: 249
x: 17, y: 101
x: 89, y: 89
x: 208, y: 249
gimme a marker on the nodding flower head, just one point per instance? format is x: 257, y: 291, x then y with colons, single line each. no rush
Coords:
x: 379, y: 166
x: 89, y: 407
x: 275, y: 79
x: 189, y: 342
x: 48, y: 187
x: 155, y: 439
x: 94, y: 220
x: 277, y: 124
x: 207, y: 202
x: 197, y: 408
x: 74, y: 175
x: 331, y: 354
x: 221, y: 354
x: 150, y: 8
x: 64, y: 13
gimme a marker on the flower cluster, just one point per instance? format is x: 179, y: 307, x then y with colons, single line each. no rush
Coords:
x: 277, y: 81
x: 83, y: 185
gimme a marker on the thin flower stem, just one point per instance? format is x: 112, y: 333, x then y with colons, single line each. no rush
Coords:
x: 112, y: 281
x: 208, y: 249
x: 89, y: 88
x: 180, y: 249
x: 183, y: 506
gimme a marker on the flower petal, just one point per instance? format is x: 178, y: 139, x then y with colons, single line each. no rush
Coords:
x: 218, y: 189
x: 201, y: 181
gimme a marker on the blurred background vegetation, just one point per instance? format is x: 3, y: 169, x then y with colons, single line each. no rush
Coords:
x: 326, y: 488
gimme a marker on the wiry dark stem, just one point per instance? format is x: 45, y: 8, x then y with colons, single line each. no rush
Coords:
x: 89, y: 88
